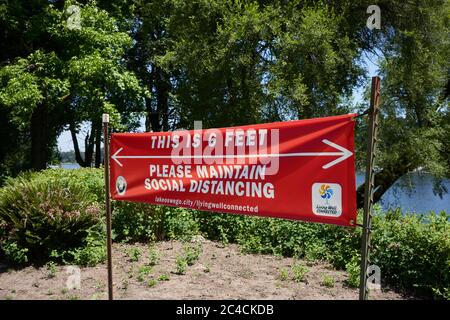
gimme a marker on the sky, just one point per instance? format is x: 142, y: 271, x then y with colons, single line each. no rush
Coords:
x: 65, y: 140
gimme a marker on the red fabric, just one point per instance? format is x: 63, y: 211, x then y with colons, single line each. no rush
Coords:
x: 302, y: 188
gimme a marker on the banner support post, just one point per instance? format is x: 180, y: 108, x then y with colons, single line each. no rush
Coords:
x: 369, y: 186
x: 105, y: 120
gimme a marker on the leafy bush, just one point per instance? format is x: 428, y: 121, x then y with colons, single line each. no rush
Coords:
x: 153, y: 256
x: 413, y: 251
x: 353, y: 271
x: 192, y: 253
x: 181, y: 264
x: 56, y: 214
x: 299, y: 272
x: 47, y: 211
x: 137, y: 222
x: 133, y: 222
x: 327, y: 281
x: 93, y: 250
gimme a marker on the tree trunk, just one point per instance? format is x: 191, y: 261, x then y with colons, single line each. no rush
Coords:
x: 98, y: 152
x: 89, y: 143
x: 76, y: 147
x: 382, y: 182
x: 39, y: 137
x: 159, y: 120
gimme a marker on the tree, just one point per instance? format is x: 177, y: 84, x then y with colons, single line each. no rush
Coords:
x: 413, y: 134
x: 74, y: 76
x: 233, y: 62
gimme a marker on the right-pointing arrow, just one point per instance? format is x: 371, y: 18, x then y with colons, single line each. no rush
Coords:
x: 344, y: 153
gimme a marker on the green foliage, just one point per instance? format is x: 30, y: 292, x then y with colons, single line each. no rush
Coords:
x: 134, y: 254
x: 93, y: 250
x: 192, y: 253
x: 14, y: 253
x: 152, y: 283
x: 181, y: 264
x: 180, y: 224
x: 299, y: 272
x: 51, y: 268
x: 444, y: 294
x: 163, y: 277
x: 413, y: 250
x: 144, y: 271
x: 140, y: 222
x: 328, y: 281
x: 47, y: 211
x: 353, y: 269
x: 283, y: 274
x: 136, y: 222
x: 153, y: 256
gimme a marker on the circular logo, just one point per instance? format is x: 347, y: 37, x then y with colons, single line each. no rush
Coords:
x: 325, y: 191
x: 121, y: 185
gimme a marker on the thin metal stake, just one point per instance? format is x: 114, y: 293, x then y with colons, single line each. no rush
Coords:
x: 368, y: 190
x: 105, y: 119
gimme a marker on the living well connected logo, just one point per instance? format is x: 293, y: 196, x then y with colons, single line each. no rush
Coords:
x: 327, y: 199
x: 326, y: 192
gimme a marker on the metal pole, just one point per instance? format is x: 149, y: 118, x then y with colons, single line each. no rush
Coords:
x: 105, y: 120
x: 369, y: 185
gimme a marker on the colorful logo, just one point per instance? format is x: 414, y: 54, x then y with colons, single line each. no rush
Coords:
x: 326, y: 192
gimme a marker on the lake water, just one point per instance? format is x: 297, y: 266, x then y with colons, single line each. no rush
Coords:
x: 411, y: 193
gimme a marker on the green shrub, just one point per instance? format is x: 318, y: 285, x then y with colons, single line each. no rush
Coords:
x: 14, y: 253
x: 47, y: 211
x: 180, y: 224
x: 181, y: 264
x: 93, y: 250
x: 137, y: 222
x: 413, y: 251
x: 283, y: 274
x: 353, y: 269
x: 56, y: 214
x: 133, y: 222
x: 192, y: 253
x: 328, y: 281
x: 163, y: 277
x: 153, y: 256
x: 134, y: 254
x: 299, y: 272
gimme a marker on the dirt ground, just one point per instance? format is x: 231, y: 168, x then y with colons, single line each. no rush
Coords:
x: 221, y: 272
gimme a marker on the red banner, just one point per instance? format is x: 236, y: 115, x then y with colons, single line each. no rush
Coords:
x: 301, y: 170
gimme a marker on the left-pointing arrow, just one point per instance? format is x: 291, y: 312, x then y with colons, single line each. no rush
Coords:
x: 115, y: 156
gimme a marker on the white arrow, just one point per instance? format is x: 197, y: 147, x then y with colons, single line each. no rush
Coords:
x: 342, y: 154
